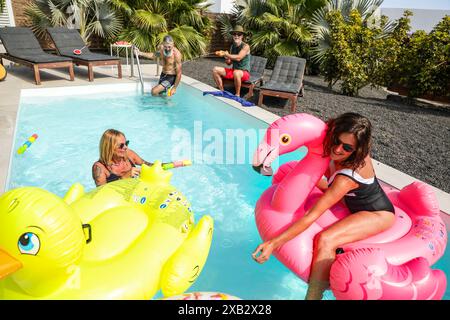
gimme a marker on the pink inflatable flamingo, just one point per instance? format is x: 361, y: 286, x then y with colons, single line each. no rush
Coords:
x: 394, y: 264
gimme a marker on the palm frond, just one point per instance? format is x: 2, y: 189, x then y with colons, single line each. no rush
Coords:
x: 287, y: 48
x: 145, y: 41
x: 264, y: 39
x: 58, y: 15
x: 149, y: 21
x: 121, y: 5
x: 38, y: 20
x: 189, y: 41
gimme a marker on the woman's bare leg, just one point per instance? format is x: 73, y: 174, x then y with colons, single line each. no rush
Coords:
x: 354, y: 227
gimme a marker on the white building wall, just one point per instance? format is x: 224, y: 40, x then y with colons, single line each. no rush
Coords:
x: 7, y: 16
x: 6, y: 20
x: 221, y: 6
x: 422, y: 19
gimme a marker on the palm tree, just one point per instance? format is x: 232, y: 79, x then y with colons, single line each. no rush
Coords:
x: 89, y: 16
x: 278, y: 27
x: 321, y: 28
x: 148, y: 21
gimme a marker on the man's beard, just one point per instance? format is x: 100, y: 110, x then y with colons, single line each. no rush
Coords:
x: 168, y: 53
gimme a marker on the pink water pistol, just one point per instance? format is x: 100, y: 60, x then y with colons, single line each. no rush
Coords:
x: 176, y: 164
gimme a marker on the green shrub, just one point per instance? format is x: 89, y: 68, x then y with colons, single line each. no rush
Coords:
x: 423, y: 62
x: 356, y: 53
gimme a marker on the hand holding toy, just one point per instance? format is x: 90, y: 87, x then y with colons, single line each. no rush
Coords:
x: 221, y: 53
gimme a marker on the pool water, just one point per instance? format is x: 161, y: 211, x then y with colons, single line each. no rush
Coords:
x: 69, y: 130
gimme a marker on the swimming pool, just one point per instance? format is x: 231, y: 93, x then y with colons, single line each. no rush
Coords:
x: 218, y: 184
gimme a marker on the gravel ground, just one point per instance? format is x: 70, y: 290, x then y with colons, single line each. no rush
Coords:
x: 412, y: 138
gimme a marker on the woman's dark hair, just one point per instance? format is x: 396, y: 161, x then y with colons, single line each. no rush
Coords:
x: 361, y: 128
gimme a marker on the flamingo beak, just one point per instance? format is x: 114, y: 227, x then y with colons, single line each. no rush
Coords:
x: 263, y: 158
x: 8, y: 264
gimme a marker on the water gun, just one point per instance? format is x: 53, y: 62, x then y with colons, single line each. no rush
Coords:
x: 169, y: 91
x: 176, y: 164
x: 27, y: 144
x: 221, y: 53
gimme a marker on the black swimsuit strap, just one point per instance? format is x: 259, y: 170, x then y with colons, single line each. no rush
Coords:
x: 108, y: 168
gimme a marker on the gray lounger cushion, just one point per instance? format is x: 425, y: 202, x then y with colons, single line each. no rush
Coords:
x: 257, y: 67
x: 287, y: 75
x: 22, y: 43
x: 66, y: 40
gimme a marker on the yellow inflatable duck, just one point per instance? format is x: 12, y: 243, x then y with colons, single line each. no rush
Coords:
x: 124, y: 240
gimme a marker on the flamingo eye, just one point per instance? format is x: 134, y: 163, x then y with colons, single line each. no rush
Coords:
x: 285, y: 139
x: 29, y: 243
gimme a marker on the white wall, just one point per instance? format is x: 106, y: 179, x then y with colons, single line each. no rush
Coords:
x: 422, y: 19
x: 7, y: 16
x: 221, y: 6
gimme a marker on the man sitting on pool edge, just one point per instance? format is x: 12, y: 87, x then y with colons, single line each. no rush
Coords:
x: 171, y: 61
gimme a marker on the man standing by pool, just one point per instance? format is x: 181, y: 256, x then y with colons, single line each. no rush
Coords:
x: 171, y: 61
x: 239, y: 56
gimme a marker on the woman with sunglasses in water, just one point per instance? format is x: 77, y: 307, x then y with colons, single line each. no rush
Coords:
x: 351, y: 178
x: 116, y: 160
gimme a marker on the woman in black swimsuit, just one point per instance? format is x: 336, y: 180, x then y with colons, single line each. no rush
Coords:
x: 116, y: 160
x: 351, y: 178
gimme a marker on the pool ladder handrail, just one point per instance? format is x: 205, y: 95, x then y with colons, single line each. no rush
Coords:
x: 141, y: 79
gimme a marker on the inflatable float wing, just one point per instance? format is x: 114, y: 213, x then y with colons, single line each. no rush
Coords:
x: 123, y: 240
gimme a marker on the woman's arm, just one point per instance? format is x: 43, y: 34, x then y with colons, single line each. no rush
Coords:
x: 99, y: 174
x: 341, y: 185
x: 322, y: 184
x: 133, y: 156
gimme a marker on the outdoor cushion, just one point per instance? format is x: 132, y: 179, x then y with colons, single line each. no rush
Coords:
x: 21, y: 43
x: 67, y: 40
x: 287, y: 75
x: 257, y: 68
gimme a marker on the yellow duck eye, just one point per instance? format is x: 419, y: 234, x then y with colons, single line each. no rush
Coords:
x: 29, y: 243
x: 285, y: 139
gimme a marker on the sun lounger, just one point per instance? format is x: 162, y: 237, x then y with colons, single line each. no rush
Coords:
x: 22, y: 47
x: 67, y: 40
x: 286, y: 80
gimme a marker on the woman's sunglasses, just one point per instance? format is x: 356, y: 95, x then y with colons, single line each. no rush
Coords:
x: 122, y: 145
x: 236, y: 34
x: 345, y: 146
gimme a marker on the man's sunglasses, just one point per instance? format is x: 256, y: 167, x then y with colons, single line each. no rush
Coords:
x: 237, y: 34
x: 122, y: 145
x: 345, y: 146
